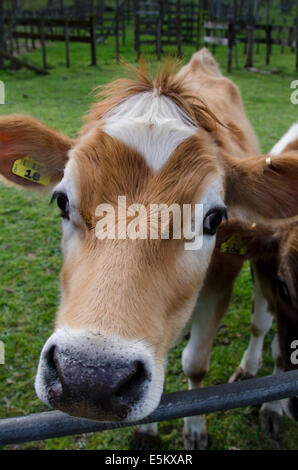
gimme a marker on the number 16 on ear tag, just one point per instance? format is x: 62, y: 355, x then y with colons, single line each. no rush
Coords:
x: 31, y: 170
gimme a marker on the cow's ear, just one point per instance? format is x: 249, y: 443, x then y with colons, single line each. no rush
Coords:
x: 264, y: 187
x: 31, y: 154
x: 247, y: 239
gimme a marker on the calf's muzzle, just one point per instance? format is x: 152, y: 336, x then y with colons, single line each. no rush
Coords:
x: 111, y: 386
x: 92, y: 378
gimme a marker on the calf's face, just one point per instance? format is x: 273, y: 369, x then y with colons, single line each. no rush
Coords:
x: 124, y: 301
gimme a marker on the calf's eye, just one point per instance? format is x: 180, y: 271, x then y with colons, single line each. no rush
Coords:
x: 62, y: 203
x: 283, y: 290
x: 213, y: 219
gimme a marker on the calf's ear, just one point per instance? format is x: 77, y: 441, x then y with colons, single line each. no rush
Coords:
x: 263, y: 187
x: 246, y: 239
x: 32, y: 154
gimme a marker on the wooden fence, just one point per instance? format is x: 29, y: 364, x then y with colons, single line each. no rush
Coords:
x: 75, y: 25
x: 66, y: 30
x: 165, y: 23
x: 157, y: 23
x: 230, y: 34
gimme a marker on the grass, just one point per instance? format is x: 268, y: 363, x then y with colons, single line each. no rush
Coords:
x: 30, y: 258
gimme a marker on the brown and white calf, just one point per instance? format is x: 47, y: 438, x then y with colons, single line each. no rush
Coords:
x: 175, y: 139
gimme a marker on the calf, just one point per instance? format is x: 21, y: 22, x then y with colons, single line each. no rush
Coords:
x: 274, y: 252
x: 180, y: 138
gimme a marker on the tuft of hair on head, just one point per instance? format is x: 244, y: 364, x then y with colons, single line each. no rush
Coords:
x: 164, y: 83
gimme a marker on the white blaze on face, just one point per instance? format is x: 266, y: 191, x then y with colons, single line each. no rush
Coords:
x: 150, y: 123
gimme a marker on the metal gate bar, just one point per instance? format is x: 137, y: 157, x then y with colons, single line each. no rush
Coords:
x: 49, y: 424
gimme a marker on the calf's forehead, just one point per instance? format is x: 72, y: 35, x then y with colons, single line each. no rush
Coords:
x: 151, y: 123
x: 102, y: 167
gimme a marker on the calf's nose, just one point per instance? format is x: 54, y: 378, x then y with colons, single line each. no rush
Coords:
x: 105, y: 390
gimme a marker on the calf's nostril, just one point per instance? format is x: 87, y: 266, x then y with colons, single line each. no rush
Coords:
x: 130, y: 388
x: 50, y: 358
x: 55, y: 389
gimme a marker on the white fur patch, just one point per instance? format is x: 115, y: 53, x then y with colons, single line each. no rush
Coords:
x: 150, y: 429
x: 288, y: 138
x: 262, y: 320
x: 68, y: 186
x: 152, y: 124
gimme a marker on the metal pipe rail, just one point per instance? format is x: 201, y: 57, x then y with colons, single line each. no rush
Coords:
x: 175, y: 405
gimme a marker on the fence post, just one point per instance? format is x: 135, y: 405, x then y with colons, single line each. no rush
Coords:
x: 43, y: 43
x: 199, y: 19
x: 268, y: 43
x: 137, y: 29
x: 178, y: 16
x: 10, y: 38
x: 250, y: 36
x: 26, y: 39
x: 32, y: 40
x: 93, y: 33
x: 123, y: 23
x: 159, y: 30
x: 282, y: 39
x: 66, y: 38
x: 230, y: 46
x: 117, y: 30
x: 292, y: 37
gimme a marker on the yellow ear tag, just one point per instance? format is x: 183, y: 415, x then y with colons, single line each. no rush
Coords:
x: 31, y: 170
x: 234, y: 246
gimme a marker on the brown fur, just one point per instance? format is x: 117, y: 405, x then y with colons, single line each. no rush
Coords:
x: 274, y: 252
x: 262, y: 189
x: 104, y: 176
x: 291, y: 146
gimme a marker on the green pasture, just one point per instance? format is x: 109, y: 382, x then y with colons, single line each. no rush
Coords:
x: 30, y: 258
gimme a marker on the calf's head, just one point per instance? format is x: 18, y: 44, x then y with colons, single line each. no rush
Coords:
x: 125, y: 301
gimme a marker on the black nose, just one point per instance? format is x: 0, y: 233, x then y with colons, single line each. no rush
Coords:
x: 103, y: 389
